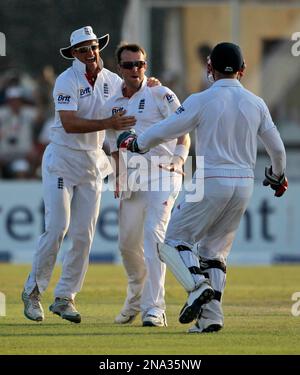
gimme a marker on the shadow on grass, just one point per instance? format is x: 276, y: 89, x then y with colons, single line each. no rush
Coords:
x: 85, y: 330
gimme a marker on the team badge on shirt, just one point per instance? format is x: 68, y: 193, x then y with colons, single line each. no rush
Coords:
x: 60, y: 183
x: 141, y: 105
x: 63, y: 99
x: 105, y: 90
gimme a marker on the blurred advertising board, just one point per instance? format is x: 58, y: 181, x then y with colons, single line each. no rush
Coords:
x: 268, y: 232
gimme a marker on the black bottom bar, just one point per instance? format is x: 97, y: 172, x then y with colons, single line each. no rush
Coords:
x: 129, y: 364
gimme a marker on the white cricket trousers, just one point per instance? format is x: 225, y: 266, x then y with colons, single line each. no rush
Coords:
x: 212, y: 222
x: 143, y: 220
x: 72, y: 185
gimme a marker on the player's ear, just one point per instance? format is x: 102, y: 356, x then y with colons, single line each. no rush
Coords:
x: 119, y: 70
x: 209, y: 70
x: 209, y: 66
x: 242, y: 70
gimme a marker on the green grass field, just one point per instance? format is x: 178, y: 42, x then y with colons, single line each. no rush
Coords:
x: 257, y: 306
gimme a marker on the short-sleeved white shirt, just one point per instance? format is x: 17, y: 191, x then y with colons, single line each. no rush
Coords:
x: 73, y: 92
x: 227, y: 119
x: 149, y: 105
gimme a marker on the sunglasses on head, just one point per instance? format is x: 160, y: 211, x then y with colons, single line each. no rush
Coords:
x: 85, y: 49
x: 131, y: 64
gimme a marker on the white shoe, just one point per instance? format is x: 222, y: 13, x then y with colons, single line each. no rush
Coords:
x: 196, y: 299
x: 203, y: 325
x: 150, y: 320
x: 65, y: 308
x: 124, y: 318
x: 33, y: 309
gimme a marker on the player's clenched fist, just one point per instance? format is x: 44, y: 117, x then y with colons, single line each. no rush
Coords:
x: 121, y: 122
x: 128, y: 140
x: 279, y: 184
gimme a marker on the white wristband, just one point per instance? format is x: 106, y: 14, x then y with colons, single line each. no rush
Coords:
x: 182, y: 151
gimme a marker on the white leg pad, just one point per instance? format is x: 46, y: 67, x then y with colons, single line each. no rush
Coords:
x: 174, y: 262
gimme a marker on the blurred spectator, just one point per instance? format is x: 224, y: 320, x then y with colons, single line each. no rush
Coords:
x: 203, y: 51
x: 20, y: 169
x: 42, y: 141
x: 17, y: 121
x: 43, y: 94
x: 8, y: 79
x: 44, y: 135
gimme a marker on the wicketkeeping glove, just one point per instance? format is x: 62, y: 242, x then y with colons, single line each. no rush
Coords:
x: 279, y: 184
x: 128, y: 140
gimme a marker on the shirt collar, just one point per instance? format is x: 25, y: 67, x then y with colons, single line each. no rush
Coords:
x: 144, y: 83
x: 226, y: 82
x: 79, y: 66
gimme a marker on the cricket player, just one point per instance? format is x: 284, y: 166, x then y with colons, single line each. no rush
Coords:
x: 73, y: 167
x: 145, y: 209
x: 228, y: 119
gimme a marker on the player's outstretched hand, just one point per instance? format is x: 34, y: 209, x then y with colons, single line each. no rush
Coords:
x: 176, y: 165
x: 279, y: 184
x: 121, y: 122
x: 128, y: 140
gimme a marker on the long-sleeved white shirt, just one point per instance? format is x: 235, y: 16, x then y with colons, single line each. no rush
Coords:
x: 149, y: 105
x: 227, y: 120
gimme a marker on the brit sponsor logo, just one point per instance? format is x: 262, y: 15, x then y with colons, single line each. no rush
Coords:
x: 63, y: 99
x: 179, y: 110
x: 85, y: 92
x: 116, y: 110
x: 2, y: 44
x: 170, y: 98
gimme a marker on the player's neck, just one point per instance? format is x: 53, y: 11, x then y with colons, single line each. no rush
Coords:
x: 129, y: 91
x: 93, y: 71
x: 218, y: 75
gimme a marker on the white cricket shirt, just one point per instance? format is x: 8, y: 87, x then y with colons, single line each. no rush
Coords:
x: 227, y: 119
x: 149, y: 105
x: 73, y: 92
